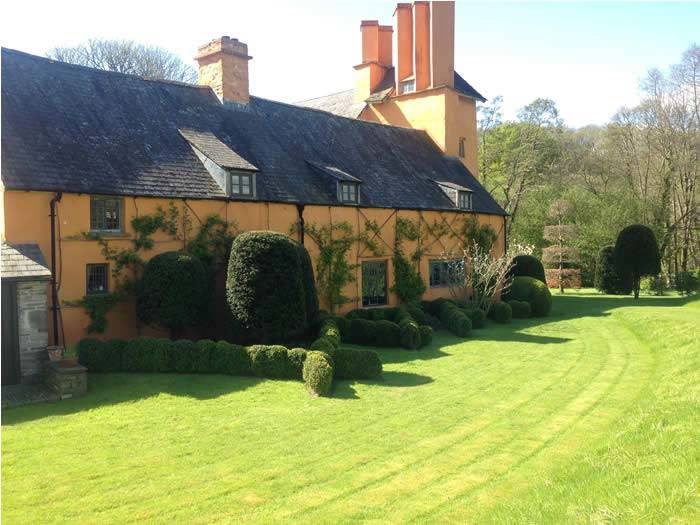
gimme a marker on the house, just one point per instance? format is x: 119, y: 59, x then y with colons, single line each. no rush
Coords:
x: 85, y: 150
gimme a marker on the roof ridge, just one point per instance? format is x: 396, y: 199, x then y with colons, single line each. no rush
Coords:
x: 323, y: 96
x: 61, y: 63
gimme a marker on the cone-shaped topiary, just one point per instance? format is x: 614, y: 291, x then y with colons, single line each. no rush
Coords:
x: 607, y: 278
x: 172, y: 291
x: 265, y: 286
x: 637, y: 254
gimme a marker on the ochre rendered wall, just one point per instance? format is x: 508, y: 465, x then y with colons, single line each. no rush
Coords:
x: 26, y: 219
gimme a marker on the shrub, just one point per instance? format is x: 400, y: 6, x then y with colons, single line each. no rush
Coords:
x: 527, y: 266
x: 362, y: 331
x: 173, y: 291
x: 227, y: 358
x: 653, y: 285
x: 637, y: 254
x: 433, y: 307
x: 309, y: 283
x: 477, y: 316
x: 387, y: 334
x: 184, y: 356
x: 270, y: 361
x: 360, y: 313
x: 318, y: 373
x: 408, y: 282
x: 501, y: 312
x: 101, y: 356
x: 607, y: 277
x: 204, y: 348
x: 532, y: 291
x: 410, y: 334
x: 378, y: 314
x: 330, y: 330
x: 323, y: 344
x: 455, y: 319
x: 356, y: 363
x: 520, y: 309
x: 147, y: 354
x: 426, y: 334
x: 417, y: 313
x: 265, y: 286
x: 296, y: 357
x: 687, y: 283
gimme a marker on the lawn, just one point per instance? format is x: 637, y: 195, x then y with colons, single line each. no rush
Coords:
x: 591, y: 415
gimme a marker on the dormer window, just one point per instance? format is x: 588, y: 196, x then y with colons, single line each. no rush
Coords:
x: 349, y: 192
x: 242, y: 184
x: 407, y: 86
x: 464, y: 200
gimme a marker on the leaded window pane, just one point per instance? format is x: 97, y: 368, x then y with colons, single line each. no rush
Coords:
x: 97, y: 278
x: 105, y: 214
x: 374, y: 285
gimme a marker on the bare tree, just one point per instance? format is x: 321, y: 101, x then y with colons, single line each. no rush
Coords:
x: 126, y: 56
x: 561, y: 234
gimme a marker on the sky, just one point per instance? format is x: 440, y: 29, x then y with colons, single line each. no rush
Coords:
x: 589, y: 57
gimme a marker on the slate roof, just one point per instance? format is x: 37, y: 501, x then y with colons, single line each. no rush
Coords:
x: 207, y: 143
x: 23, y: 262
x: 82, y: 130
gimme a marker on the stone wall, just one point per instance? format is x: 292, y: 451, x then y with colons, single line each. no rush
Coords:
x: 32, y: 318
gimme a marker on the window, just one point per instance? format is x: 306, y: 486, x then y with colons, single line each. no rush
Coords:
x: 106, y: 214
x: 349, y: 192
x: 242, y: 184
x: 374, y: 283
x: 462, y: 142
x: 407, y: 86
x: 444, y: 273
x: 464, y: 200
x: 97, y: 278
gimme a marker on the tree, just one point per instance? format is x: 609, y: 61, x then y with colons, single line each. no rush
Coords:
x: 172, y: 291
x: 126, y: 56
x: 607, y: 277
x: 637, y: 254
x: 561, y: 234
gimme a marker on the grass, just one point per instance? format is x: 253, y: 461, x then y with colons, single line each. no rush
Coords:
x: 591, y: 415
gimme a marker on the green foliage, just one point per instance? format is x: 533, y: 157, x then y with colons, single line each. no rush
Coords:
x: 477, y: 316
x: 265, y: 286
x: 356, y: 364
x: 386, y: 333
x: 607, y: 277
x: 147, y: 354
x: 333, y: 271
x: 520, y: 309
x: 183, y: 354
x: 212, y: 243
x: 527, y: 266
x: 532, y: 291
x: 455, y: 319
x: 323, y: 344
x: 227, y: 358
x: 173, y: 291
x: 97, y: 307
x: 330, y: 330
x: 202, y: 357
x: 637, y: 254
x: 687, y: 283
x: 318, y: 373
x: 410, y: 334
x: 408, y: 283
x: 483, y: 235
x: 426, y: 334
x: 501, y: 312
x: 101, y: 356
x: 653, y: 285
x: 417, y: 313
x: 310, y: 293
x: 271, y: 361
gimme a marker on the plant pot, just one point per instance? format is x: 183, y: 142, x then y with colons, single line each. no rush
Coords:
x: 55, y: 352
x: 68, y: 362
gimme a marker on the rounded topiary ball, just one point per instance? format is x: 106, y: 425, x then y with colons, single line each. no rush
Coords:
x: 265, y: 286
x: 527, y: 266
x: 533, y: 291
x: 173, y: 291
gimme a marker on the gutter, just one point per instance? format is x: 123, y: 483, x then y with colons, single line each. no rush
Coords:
x: 54, y: 291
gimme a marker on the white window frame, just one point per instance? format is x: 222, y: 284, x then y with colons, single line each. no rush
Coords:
x: 240, y: 177
x: 464, y: 200
x: 119, y: 212
x: 354, y: 186
x: 407, y: 86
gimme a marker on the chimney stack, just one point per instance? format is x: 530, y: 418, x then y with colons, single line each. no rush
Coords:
x: 377, y: 57
x: 223, y: 65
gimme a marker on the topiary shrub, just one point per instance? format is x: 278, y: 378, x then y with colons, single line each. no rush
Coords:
x: 687, y: 283
x: 637, y: 254
x: 477, y: 316
x: 520, y: 309
x: 101, y: 356
x: 356, y: 364
x: 265, y: 286
x: 227, y: 358
x: 310, y: 293
x: 607, y: 277
x: 501, y: 312
x: 360, y: 313
x: 410, y: 334
x: 455, y: 319
x: 426, y: 334
x: 184, y: 356
x: 295, y: 366
x: 527, y: 266
x: 147, y: 354
x: 417, y: 313
x: 204, y: 348
x: 387, y: 333
x: 172, y: 291
x: 653, y: 285
x: 318, y: 373
x: 269, y: 361
x: 378, y: 314
x: 362, y: 331
x: 323, y: 344
x: 533, y: 291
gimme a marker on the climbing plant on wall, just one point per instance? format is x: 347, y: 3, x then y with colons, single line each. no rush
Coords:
x: 408, y: 283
